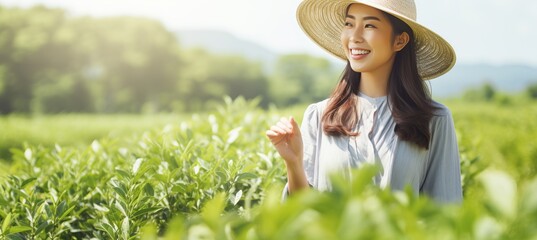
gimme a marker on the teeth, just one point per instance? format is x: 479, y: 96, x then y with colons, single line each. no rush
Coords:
x: 359, y: 51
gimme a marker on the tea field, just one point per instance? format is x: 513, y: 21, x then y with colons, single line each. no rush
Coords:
x: 215, y: 176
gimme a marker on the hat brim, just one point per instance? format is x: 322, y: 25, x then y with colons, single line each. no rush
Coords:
x: 323, y: 20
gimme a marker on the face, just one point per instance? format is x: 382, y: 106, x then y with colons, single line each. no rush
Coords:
x: 368, y: 40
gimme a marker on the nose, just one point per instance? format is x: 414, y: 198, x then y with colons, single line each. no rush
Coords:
x: 356, y: 35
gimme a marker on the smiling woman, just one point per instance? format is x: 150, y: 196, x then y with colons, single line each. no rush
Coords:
x: 380, y: 112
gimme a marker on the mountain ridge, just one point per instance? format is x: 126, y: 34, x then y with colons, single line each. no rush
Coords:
x: 463, y: 76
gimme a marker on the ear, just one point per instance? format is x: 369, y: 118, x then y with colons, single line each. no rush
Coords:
x: 401, y: 41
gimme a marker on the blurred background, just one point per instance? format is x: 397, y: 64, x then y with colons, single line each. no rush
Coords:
x: 115, y: 56
x: 162, y: 57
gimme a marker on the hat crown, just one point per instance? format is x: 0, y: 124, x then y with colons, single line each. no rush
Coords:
x: 406, y: 8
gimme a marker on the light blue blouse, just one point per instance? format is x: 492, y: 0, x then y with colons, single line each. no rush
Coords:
x: 434, y: 172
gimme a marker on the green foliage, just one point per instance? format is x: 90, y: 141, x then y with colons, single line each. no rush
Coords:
x: 486, y: 92
x: 74, y: 130
x: 111, y: 190
x: 472, y: 163
x: 128, y: 68
x: 359, y: 210
x: 501, y: 137
x: 532, y: 91
x: 209, y: 77
x: 300, y: 78
x: 27, y: 47
x: 215, y: 176
x: 52, y: 63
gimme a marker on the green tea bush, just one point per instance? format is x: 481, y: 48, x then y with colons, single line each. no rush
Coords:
x: 357, y: 209
x: 216, y: 176
x: 109, y: 190
x: 503, y: 137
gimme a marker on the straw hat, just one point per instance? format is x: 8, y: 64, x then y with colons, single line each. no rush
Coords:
x: 323, y: 20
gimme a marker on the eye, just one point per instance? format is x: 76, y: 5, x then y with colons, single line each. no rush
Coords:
x: 348, y: 24
x: 370, y: 26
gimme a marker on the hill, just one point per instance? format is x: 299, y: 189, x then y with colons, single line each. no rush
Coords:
x: 505, y: 78
x: 221, y: 42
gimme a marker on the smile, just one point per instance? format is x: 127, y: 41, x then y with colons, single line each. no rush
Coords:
x: 359, y: 51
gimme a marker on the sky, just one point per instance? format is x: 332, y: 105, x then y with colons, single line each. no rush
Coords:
x: 481, y: 31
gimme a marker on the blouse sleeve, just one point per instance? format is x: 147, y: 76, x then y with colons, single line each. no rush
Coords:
x: 309, y: 130
x: 442, y: 181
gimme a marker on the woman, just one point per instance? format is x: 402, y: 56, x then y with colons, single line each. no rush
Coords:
x: 381, y: 111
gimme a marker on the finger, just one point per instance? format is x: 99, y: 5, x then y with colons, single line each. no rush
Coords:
x: 271, y: 133
x: 278, y: 130
x: 286, y: 122
x: 284, y: 127
x: 274, y: 137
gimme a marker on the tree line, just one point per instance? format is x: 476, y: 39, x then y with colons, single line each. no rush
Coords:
x: 51, y: 62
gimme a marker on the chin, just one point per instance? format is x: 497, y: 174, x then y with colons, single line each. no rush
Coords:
x: 356, y: 67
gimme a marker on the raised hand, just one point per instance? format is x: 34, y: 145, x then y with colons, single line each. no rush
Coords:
x: 286, y: 138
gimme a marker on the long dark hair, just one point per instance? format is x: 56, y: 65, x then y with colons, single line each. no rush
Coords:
x: 408, y: 95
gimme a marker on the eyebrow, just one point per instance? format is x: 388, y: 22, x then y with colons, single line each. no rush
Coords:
x: 364, y: 18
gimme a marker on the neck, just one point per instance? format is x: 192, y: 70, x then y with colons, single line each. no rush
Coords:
x: 375, y: 83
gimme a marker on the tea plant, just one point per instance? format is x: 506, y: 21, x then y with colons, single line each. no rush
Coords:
x: 359, y: 210
x: 110, y: 190
x: 216, y: 176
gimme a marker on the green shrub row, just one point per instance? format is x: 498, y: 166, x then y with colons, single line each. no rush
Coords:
x: 110, y: 190
x: 218, y: 177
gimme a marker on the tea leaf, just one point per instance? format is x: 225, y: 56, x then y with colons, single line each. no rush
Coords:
x: 6, y: 223
x: 109, y: 229
x: 237, y: 197
x: 501, y: 190
x: 28, y: 181
x: 136, y: 165
x: 125, y: 227
x: 18, y: 229
x: 233, y: 135
x: 144, y: 211
x: 149, y: 189
x: 28, y: 154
